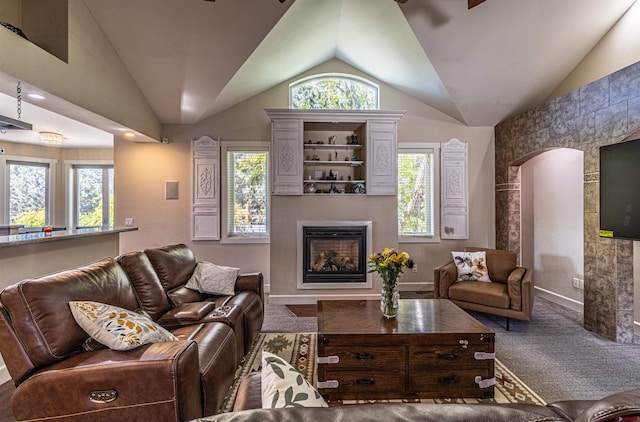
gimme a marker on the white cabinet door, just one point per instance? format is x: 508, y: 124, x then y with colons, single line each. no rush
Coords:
x: 205, y: 198
x: 454, y: 205
x: 287, y: 156
x: 382, y: 178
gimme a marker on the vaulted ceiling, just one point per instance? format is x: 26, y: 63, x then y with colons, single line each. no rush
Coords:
x: 195, y: 58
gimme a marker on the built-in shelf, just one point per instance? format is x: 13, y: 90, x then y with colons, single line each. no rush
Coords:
x: 337, y: 163
x: 332, y: 146
x: 309, y: 181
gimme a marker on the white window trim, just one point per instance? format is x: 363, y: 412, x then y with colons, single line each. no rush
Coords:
x: 4, y: 198
x: 69, y: 185
x: 423, y: 147
x: 226, y: 146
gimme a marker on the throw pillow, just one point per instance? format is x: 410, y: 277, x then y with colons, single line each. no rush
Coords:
x: 117, y: 328
x: 214, y: 279
x: 283, y: 386
x: 472, y: 266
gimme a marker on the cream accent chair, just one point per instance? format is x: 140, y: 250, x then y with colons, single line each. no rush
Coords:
x: 509, y: 294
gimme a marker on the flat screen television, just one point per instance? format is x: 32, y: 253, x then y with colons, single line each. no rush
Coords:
x: 620, y: 190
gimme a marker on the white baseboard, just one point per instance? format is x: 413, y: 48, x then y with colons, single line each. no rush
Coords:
x: 560, y: 299
x: 312, y: 299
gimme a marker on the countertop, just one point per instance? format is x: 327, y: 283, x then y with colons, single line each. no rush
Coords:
x: 40, y: 237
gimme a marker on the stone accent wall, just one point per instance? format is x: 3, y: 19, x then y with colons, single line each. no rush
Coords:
x: 603, y: 112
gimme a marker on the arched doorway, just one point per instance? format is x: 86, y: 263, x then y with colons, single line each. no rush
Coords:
x: 552, y: 210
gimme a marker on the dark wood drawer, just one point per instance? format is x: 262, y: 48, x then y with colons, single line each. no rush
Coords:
x: 445, y: 383
x: 447, y: 355
x: 353, y: 357
x: 366, y: 384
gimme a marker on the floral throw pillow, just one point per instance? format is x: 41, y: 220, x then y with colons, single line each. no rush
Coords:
x: 472, y: 266
x: 214, y: 279
x: 117, y: 328
x: 283, y: 386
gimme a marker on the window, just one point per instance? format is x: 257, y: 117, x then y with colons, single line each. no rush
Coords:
x: 93, y: 195
x: 334, y: 92
x: 417, y: 192
x: 246, y: 212
x: 28, y: 193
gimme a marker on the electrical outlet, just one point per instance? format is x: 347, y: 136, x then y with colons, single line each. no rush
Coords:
x: 414, y: 268
x: 581, y: 283
x: 576, y: 282
x: 128, y: 222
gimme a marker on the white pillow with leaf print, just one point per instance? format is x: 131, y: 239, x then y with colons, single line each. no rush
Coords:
x: 472, y: 266
x: 283, y: 386
x: 117, y: 328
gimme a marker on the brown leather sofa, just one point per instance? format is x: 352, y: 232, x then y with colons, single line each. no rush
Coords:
x: 56, y: 377
x: 509, y: 294
x: 248, y: 408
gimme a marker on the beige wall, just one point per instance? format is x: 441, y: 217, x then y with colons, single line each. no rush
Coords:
x: 94, y: 79
x: 141, y: 170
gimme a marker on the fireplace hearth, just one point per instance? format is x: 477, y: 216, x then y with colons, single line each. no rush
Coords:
x: 334, y: 255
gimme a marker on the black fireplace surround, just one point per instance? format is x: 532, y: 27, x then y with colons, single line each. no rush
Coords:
x: 334, y: 254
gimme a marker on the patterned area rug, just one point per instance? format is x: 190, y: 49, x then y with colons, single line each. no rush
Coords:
x: 300, y: 350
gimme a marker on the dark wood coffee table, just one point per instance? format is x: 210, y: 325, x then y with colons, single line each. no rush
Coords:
x: 433, y: 349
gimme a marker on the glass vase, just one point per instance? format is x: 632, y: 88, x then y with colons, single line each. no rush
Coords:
x: 389, y: 298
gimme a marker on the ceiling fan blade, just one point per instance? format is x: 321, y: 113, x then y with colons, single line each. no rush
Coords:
x: 474, y: 3
x: 401, y: 1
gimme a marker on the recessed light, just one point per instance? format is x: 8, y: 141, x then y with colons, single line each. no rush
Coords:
x: 129, y: 135
x: 36, y: 96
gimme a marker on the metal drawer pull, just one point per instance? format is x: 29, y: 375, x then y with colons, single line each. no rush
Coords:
x: 103, y: 396
x: 448, y: 356
x: 365, y: 381
x: 484, y: 383
x: 328, y: 384
x: 328, y: 359
x: 448, y: 380
x: 484, y: 356
x: 364, y: 356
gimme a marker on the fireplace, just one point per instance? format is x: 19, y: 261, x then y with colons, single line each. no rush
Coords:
x: 333, y: 254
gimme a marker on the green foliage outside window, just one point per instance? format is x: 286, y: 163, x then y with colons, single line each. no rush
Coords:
x: 249, y: 173
x: 28, y: 194
x: 415, y: 202
x: 334, y: 93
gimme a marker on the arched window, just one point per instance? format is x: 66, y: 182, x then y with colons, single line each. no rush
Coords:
x: 333, y: 91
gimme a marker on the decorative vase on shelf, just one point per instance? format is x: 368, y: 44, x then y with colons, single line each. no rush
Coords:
x: 389, y: 297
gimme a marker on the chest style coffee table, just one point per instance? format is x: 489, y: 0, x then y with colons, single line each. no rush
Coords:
x: 432, y: 349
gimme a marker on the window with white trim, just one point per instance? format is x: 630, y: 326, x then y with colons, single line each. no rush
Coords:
x: 93, y: 199
x: 418, y: 192
x: 28, y: 193
x: 334, y: 91
x: 245, y: 188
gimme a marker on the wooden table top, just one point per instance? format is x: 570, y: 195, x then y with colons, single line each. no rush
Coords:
x: 415, y: 316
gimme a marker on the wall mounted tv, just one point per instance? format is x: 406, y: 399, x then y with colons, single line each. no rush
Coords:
x: 620, y: 190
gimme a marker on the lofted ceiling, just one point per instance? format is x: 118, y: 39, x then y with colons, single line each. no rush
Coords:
x: 194, y: 58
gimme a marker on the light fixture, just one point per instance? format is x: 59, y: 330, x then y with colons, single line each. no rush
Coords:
x: 51, y: 138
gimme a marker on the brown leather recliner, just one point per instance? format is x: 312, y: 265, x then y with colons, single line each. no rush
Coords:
x: 58, y: 377
x: 509, y: 294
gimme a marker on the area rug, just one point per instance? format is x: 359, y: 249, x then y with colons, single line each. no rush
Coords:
x: 299, y: 349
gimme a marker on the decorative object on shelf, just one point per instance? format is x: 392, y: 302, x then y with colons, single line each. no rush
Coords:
x: 354, y: 139
x: 310, y: 188
x: 388, y: 264
x: 359, y: 187
x: 332, y: 175
x: 332, y: 139
x: 333, y: 189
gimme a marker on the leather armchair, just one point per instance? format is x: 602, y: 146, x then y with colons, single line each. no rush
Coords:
x: 509, y: 294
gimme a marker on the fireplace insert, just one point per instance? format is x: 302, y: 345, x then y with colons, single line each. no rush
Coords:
x: 334, y: 254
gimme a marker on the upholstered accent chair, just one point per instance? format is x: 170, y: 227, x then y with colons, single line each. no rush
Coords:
x: 508, y: 294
